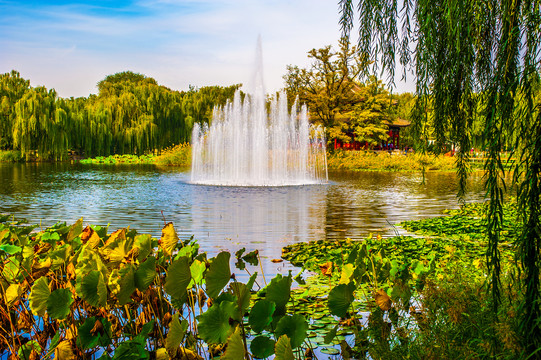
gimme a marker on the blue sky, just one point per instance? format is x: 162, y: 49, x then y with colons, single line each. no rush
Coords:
x: 70, y: 46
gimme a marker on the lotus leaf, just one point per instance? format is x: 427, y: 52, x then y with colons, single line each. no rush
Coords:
x: 144, y: 244
x: 145, y: 274
x: 122, y: 283
x: 235, y: 346
x: 383, y: 300
x: 93, y: 289
x: 178, y: 278
x: 295, y: 327
x: 75, y: 230
x: 279, y: 291
x: 26, y: 350
x: 329, y: 337
x: 169, y: 239
x: 64, y: 351
x: 346, y: 274
x: 261, y: 315
x: 197, y: 269
x: 262, y: 347
x: 59, y: 303
x: 218, y: 274
x: 282, y: 349
x: 95, y: 331
x: 214, y: 326
x: 38, y: 296
x: 90, y: 236
x: 132, y: 350
x: 11, y: 269
x: 10, y: 249
x: 242, y: 293
x: 177, y: 330
x: 340, y: 298
x: 13, y: 292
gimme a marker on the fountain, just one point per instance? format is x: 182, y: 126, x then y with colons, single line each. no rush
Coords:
x: 247, y: 146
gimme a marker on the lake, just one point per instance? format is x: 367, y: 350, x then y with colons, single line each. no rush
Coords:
x: 352, y: 205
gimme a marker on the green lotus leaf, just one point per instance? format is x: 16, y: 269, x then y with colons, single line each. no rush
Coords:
x: 295, y: 327
x: 95, y: 331
x: 88, y: 260
x: 177, y: 330
x: 38, y: 296
x: 11, y: 249
x: 282, y: 349
x: 11, y: 269
x: 262, y: 347
x: 50, y: 237
x: 329, y: 337
x: 279, y: 291
x: 146, y: 273
x: 178, y: 277
x: 330, y: 351
x: 261, y: 315
x: 169, y: 238
x: 218, y: 274
x: 214, y: 324
x: 144, y: 243
x: 235, y: 347
x: 132, y: 350
x: 251, y: 258
x: 125, y: 282
x: 197, y: 270
x: 75, y: 230
x: 59, y: 303
x: 242, y: 294
x: 25, y: 350
x: 340, y: 298
x: 93, y: 289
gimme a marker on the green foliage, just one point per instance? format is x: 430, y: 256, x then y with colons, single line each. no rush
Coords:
x: 295, y: 327
x: 326, y: 87
x: 131, y: 115
x: 470, y: 53
x: 218, y: 274
x: 262, y: 347
x: 261, y: 315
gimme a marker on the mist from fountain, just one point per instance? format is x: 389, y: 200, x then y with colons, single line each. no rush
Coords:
x: 247, y: 146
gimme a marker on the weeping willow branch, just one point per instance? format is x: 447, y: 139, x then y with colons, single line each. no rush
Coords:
x: 469, y: 55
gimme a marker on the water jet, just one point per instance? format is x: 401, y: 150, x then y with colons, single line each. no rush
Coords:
x: 246, y: 145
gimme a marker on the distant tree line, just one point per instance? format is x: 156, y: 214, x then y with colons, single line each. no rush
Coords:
x: 131, y: 114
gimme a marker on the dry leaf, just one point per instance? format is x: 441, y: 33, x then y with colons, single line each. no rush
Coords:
x: 383, y: 300
x: 326, y: 268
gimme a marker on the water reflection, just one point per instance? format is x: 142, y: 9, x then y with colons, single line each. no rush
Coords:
x: 227, y: 218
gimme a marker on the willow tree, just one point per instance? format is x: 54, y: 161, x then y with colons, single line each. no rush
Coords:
x: 12, y: 88
x: 461, y: 51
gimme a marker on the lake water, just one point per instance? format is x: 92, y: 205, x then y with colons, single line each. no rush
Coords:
x: 352, y: 205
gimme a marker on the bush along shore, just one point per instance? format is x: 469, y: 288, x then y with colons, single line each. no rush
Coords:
x: 180, y: 155
x: 73, y: 292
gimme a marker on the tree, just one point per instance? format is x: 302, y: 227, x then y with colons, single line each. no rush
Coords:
x: 369, y: 115
x: 465, y: 52
x: 326, y: 86
x: 12, y: 88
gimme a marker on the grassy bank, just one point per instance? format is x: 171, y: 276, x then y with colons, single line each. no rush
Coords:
x: 383, y: 161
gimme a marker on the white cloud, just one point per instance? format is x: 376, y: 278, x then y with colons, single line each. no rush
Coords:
x: 179, y: 43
